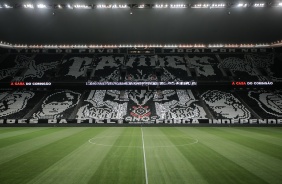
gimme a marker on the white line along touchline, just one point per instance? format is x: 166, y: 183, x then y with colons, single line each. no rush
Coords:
x: 145, y: 165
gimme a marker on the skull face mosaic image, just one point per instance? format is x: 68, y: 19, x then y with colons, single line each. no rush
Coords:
x: 140, y: 105
x: 270, y: 103
x: 225, y: 105
x: 56, y: 104
x: 102, y: 104
x: 15, y: 102
x: 179, y: 104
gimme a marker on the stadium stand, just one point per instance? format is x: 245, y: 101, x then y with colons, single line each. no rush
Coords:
x: 141, y: 69
x: 140, y: 105
x: 174, y: 68
x: 266, y: 103
x: 57, y: 105
x: 206, y: 67
x: 246, y: 67
x: 102, y: 104
x: 41, y: 68
x: 75, y: 67
x: 107, y: 68
x: 224, y: 104
x: 17, y: 104
x: 144, y: 103
x: 14, y: 66
x: 274, y: 71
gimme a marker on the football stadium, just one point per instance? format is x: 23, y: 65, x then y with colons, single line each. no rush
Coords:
x: 140, y: 92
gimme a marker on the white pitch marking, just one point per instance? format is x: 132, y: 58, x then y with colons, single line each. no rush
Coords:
x: 165, y: 146
x: 145, y: 165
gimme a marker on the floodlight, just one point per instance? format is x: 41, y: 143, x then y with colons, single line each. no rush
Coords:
x: 28, y: 6
x: 177, y: 6
x: 259, y: 5
x: 161, y: 6
x: 80, y: 6
x: 41, y: 6
x: 104, y: 6
x: 7, y: 6
x: 242, y: 5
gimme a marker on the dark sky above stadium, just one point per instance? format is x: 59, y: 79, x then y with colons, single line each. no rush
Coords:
x: 144, y: 26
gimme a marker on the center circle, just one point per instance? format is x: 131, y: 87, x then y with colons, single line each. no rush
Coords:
x: 108, y: 141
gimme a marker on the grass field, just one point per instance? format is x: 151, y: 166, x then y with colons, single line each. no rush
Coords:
x: 152, y: 155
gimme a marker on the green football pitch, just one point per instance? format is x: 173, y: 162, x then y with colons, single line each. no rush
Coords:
x: 133, y: 155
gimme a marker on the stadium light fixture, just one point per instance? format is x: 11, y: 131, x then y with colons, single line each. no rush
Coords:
x: 81, y: 6
x: 215, y: 45
x: 217, y: 6
x: 243, y: 5
x: 114, y: 6
x: 152, y: 6
x: 266, y: 45
x: 259, y: 5
x: 7, y: 6
x: 200, y: 6
x: 41, y: 6
x: 104, y: 6
x: 30, y: 6
x: 160, y: 6
x: 177, y: 6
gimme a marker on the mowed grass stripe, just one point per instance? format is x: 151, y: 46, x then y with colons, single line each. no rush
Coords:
x: 33, y: 163
x: 8, y: 130
x: 270, y: 131
x: 79, y: 165
x: 242, y: 138
x: 19, y: 132
x: 31, y: 134
x: 122, y: 164
x: 258, y: 135
x: 5, y: 128
x: 13, y: 151
x: 167, y: 164
x: 261, y: 165
x: 213, y: 167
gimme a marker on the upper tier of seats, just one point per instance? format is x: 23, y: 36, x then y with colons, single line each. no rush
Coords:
x: 140, y: 68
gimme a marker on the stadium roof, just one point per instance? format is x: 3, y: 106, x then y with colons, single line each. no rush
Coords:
x: 143, y: 26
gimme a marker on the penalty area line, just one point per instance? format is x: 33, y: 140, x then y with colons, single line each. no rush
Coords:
x: 144, y: 154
